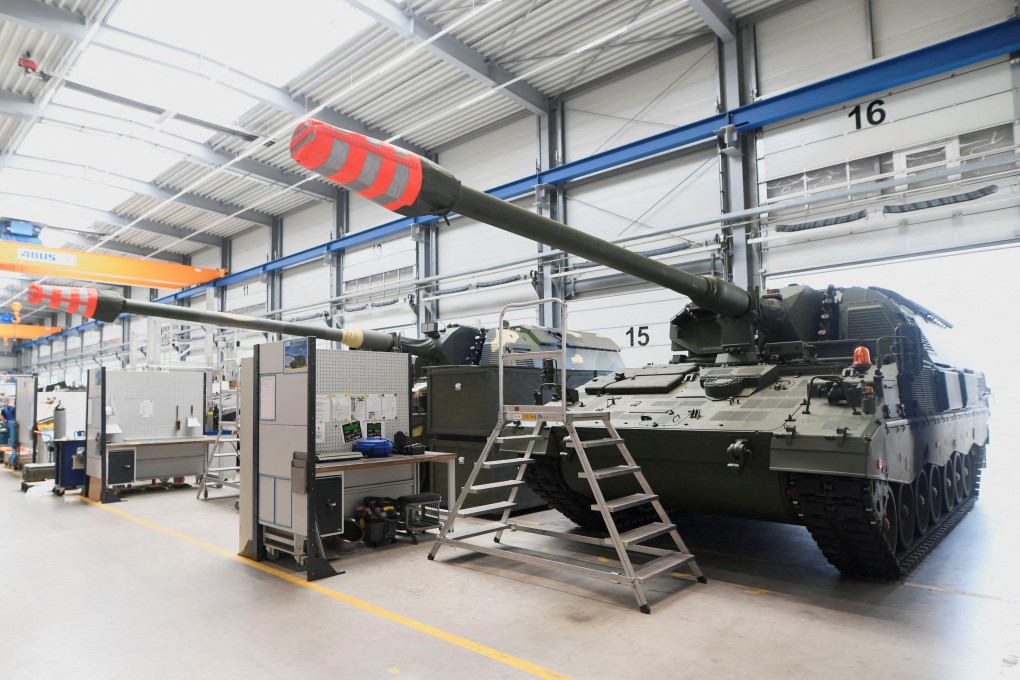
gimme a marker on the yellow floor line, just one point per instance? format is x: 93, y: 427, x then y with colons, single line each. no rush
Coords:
x: 953, y: 591
x: 437, y: 633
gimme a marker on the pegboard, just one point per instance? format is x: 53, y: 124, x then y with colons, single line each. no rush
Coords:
x: 346, y: 372
x: 173, y: 396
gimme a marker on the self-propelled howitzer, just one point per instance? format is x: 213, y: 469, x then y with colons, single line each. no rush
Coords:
x: 774, y: 409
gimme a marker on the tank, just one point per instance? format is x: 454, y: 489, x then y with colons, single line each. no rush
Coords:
x: 826, y: 408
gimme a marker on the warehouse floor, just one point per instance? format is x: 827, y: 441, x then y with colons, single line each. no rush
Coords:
x: 151, y: 588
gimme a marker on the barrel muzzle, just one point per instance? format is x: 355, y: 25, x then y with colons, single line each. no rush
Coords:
x: 89, y: 302
x: 396, y: 179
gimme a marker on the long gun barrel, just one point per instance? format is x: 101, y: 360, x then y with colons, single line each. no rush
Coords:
x: 413, y: 186
x: 104, y: 305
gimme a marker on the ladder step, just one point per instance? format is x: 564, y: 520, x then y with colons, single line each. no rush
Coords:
x: 588, y: 416
x: 484, y: 509
x: 479, y: 531
x: 625, y: 502
x: 662, y: 564
x: 509, y: 484
x: 224, y: 469
x: 592, y: 443
x: 520, y: 438
x: 617, y: 471
x: 489, y: 464
x: 642, y: 534
x: 225, y: 454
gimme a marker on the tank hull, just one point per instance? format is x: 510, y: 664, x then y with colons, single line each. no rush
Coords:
x: 864, y: 484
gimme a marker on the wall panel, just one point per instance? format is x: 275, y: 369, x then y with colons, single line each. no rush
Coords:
x: 310, y: 227
x: 497, y: 157
x: 249, y: 250
x: 674, y: 92
x: 207, y: 257
x: 905, y: 25
x: 976, y: 98
x: 809, y: 42
x: 306, y: 284
x: 655, y: 197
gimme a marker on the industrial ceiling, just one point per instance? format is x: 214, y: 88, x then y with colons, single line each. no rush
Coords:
x: 158, y: 129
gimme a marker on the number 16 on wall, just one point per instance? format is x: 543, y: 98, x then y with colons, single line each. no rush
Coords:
x: 874, y: 114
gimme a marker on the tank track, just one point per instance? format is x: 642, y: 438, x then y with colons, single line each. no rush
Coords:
x: 838, y: 513
x: 545, y: 477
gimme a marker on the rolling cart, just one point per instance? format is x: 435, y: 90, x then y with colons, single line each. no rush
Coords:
x: 68, y: 475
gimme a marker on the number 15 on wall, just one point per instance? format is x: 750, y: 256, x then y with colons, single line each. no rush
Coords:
x: 638, y: 335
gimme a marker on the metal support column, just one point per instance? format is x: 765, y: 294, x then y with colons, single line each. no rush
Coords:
x: 735, y: 158
x: 226, y: 256
x: 550, y: 200
x: 335, y: 260
x: 274, y: 279
x: 426, y: 237
x: 125, y: 333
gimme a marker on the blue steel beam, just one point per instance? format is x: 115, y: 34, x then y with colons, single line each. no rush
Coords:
x: 987, y: 43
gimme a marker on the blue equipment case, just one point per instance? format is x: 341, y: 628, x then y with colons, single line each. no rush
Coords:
x: 67, y: 477
x: 373, y: 447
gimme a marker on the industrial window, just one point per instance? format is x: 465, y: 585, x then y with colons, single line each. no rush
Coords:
x: 366, y: 283
x: 968, y: 148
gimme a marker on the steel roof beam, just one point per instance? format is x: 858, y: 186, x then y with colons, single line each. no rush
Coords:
x: 110, y: 217
x: 71, y: 25
x: 21, y: 106
x: 717, y: 17
x: 469, y: 61
x: 73, y: 170
x: 126, y: 248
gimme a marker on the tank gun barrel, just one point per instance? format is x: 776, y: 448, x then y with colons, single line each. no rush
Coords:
x: 104, y: 305
x: 413, y: 186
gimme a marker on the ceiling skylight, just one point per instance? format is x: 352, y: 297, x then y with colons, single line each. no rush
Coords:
x: 68, y: 189
x: 119, y: 155
x: 159, y: 85
x: 47, y: 212
x: 272, y: 41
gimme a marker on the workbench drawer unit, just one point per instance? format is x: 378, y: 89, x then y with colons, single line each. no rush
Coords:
x: 329, y: 505
x: 120, y: 467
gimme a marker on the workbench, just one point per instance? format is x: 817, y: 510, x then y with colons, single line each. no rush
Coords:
x: 144, y: 459
x: 354, y: 477
x: 142, y: 426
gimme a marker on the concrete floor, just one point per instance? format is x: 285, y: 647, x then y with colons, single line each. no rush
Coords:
x: 150, y: 588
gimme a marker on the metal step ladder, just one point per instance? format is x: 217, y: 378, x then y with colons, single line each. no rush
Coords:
x: 654, y: 560
x: 222, y: 461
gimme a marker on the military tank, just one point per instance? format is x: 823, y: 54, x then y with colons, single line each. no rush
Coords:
x: 772, y: 408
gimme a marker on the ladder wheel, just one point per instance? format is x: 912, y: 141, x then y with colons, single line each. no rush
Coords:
x: 495, y: 539
x: 645, y: 609
x: 205, y: 494
x: 702, y: 579
x: 432, y: 557
x: 237, y: 505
